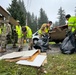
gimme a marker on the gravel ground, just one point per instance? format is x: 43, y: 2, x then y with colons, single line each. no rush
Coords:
x: 54, y: 49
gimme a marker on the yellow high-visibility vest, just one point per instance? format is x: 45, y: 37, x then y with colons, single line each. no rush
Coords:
x: 18, y: 30
x: 29, y: 32
x: 72, y: 23
x: 45, y: 27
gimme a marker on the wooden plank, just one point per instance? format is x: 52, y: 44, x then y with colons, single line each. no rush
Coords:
x: 34, y: 56
x: 36, y: 63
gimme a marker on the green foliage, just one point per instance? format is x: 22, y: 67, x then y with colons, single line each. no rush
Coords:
x: 23, y: 9
x: 13, y: 9
x: 16, y: 11
x: 58, y: 64
x: 61, y: 17
x: 32, y: 21
x: 56, y: 23
x: 43, y: 18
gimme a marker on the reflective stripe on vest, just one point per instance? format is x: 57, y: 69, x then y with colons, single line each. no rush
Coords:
x: 72, y: 23
x: 29, y: 32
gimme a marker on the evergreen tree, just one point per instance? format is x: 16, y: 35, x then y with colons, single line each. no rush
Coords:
x: 75, y: 11
x: 16, y: 12
x: 34, y: 23
x: 13, y: 9
x: 21, y: 3
x: 56, y: 23
x: 61, y: 17
x: 29, y: 19
x: 43, y: 18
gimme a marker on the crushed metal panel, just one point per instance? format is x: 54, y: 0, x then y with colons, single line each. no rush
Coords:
x: 36, y: 63
x: 18, y: 54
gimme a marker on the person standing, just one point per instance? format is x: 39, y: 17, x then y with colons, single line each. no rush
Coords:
x: 71, y: 22
x: 71, y: 25
x: 19, y: 33
x: 4, y: 33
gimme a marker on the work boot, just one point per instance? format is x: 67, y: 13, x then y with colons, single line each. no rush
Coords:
x: 20, y: 49
x: 30, y: 48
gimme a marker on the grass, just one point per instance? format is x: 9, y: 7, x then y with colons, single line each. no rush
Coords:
x: 58, y: 64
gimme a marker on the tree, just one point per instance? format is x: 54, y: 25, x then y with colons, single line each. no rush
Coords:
x: 43, y: 18
x: 75, y: 11
x: 23, y: 9
x: 29, y: 19
x: 56, y: 23
x: 16, y: 12
x: 32, y: 21
x: 13, y: 9
x: 61, y: 17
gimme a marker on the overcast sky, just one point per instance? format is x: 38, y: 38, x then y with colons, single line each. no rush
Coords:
x: 50, y: 7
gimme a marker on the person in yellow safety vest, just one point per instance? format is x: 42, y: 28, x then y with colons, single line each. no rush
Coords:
x: 45, y: 28
x: 19, y: 33
x: 71, y: 22
x: 27, y: 32
x: 41, y: 32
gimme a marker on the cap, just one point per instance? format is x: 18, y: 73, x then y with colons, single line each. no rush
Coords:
x: 68, y: 16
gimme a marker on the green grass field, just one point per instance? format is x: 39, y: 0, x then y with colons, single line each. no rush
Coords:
x: 58, y: 64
